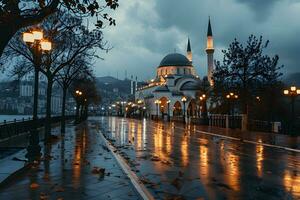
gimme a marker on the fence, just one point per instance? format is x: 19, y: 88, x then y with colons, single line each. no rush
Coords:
x: 226, y: 121
x: 257, y: 125
x: 16, y: 127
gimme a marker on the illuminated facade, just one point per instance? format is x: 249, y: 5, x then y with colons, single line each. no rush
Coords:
x: 175, y: 78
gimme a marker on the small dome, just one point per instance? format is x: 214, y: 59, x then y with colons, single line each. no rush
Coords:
x: 162, y: 88
x: 190, y: 86
x: 175, y: 59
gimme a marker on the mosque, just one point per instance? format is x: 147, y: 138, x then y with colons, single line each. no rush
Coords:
x: 173, y: 92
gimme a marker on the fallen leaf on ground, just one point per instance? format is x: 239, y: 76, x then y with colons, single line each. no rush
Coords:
x: 43, y: 196
x: 34, y: 185
x: 59, y: 189
x: 176, y: 183
x: 100, y: 171
x: 155, y: 158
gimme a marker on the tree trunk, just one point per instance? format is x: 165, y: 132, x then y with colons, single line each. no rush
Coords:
x: 48, y: 110
x: 35, y: 94
x: 63, y: 110
x: 6, y: 33
x: 81, y: 112
x: 77, y: 112
x: 85, y: 112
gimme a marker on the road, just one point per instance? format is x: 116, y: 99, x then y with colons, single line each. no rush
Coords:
x: 180, y: 162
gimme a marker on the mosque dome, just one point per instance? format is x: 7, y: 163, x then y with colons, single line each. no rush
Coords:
x: 175, y: 59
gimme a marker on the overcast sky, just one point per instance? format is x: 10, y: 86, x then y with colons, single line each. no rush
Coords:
x: 147, y: 30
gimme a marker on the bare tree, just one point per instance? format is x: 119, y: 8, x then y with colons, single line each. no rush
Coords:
x: 65, y: 78
x: 72, y: 43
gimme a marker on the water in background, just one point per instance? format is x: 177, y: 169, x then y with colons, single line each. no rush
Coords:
x: 13, y: 117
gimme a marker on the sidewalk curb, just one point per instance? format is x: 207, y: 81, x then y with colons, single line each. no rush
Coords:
x: 139, y: 187
x: 14, y: 175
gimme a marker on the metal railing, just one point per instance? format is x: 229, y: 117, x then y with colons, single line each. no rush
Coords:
x: 16, y: 127
x: 258, y: 125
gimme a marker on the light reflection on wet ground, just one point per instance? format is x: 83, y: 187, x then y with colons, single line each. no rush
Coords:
x: 186, y: 163
x: 69, y: 171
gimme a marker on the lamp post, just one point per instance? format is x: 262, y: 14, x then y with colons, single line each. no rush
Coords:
x: 203, y: 100
x: 168, y: 103
x: 144, y: 111
x: 157, y: 102
x: 231, y: 97
x: 78, y: 95
x: 183, y: 99
x: 36, y: 44
x: 292, y: 92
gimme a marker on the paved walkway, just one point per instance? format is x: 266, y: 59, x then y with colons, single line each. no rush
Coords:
x: 78, y: 167
x: 178, y: 163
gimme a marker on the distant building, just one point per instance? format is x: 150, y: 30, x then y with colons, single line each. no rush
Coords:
x: 26, y: 91
x: 175, y: 86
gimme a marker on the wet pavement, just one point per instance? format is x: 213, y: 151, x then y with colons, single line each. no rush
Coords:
x: 177, y: 162
x: 76, y: 167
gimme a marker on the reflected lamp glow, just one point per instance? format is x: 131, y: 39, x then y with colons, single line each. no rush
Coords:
x: 183, y: 99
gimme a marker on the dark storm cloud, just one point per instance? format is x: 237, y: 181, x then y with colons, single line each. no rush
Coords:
x: 147, y: 30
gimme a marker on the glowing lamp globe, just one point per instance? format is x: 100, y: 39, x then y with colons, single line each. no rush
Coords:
x: 37, y: 35
x: 286, y: 92
x: 46, y: 45
x: 28, y: 37
x: 293, y: 88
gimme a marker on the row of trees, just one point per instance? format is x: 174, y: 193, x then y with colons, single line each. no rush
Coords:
x: 68, y: 63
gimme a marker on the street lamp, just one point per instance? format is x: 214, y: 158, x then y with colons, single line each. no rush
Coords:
x: 78, y: 94
x: 36, y: 44
x: 183, y: 99
x: 292, y: 92
x: 168, y: 103
x: 231, y: 97
x: 157, y: 102
x: 203, y: 99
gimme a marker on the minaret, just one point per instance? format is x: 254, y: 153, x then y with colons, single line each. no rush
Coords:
x: 210, y: 53
x: 189, y: 54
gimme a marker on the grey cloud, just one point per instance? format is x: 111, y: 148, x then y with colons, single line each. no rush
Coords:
x: 147, y: 30
x: 261, y: 8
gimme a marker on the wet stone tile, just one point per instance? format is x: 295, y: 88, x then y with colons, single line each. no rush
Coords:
x: 67, y: 174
